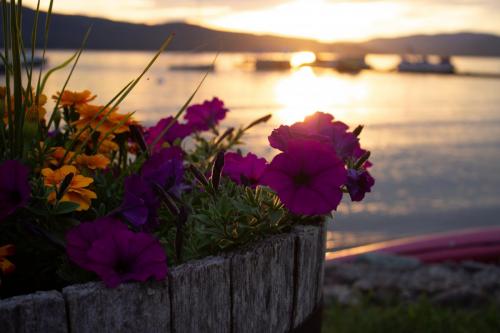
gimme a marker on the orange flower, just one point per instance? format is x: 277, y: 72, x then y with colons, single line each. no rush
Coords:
x: 35, y: 112
x: 6, y: 266
x: 106, y: 146
x: 76, y: 191
x: 3, y: 92
x: 74, y: 98
x: 88, y: 112
x: 57, y: 155
x: 112, y: 118
x: 117, y: 118
x: 93, y: 162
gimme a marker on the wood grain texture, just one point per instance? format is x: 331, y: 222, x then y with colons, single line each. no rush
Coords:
x: 309, y: 270
x: 201, y: 298
x: 131, y: 307
x: 262, y: 286
x: 271, y: 286
x: 39, y: 312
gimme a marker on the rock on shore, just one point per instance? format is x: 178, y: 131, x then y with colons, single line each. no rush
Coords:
x: 386, y: 279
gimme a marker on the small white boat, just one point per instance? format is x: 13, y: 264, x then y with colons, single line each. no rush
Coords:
x: 422, y: 65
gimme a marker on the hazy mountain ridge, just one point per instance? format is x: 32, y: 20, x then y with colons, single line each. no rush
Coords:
x: 67, y: 32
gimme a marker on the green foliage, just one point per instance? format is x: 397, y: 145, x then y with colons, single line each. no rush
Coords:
x: 223, y: 220
x: 414, y: 318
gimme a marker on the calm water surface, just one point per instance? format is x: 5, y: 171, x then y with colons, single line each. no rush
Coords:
x: 435, y: 140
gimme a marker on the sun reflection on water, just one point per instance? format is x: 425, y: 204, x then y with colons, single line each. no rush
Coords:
x: 306, y: 91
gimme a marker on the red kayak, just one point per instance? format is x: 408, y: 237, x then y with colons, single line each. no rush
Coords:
x: 471, y: 244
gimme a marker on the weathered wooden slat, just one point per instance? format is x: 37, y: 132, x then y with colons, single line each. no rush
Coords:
x: 201, y: 298
x: 272, y: 286
x: 39, y: 312
x: 135, y: 307
x: 309, y: 254
x: 262, y: 286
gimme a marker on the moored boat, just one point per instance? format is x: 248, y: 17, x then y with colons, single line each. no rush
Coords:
x: 421, y: 64
x: 345, y: 64
x: 196, y: 67
x: 36, y: 61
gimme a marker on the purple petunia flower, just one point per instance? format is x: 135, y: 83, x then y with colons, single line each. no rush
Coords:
x: 204, y: 116
x: 165, y: 168
x: 319, y: 127
x: 125, y: 256
x: 177, y: 131
x: 79, y: 240
x: 14, y: 187
x: 244, y: 170
x: 140, y: 203
x: 307, y: 177
x: 115, y: 253
x: 359, y: 182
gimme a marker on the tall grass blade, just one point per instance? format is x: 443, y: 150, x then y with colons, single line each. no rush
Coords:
x: 61, y: 66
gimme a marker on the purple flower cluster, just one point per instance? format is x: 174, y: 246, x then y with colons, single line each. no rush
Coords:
x: 307, y: 177
x: 199, y: 117
x: 319, y: 158
x: 14, y: 187
x: 176, y: 131
x: 164, y: 170
x: 319, y: 127
x: 202, y: 117
x: 116, y: 254
x: 246, y: 170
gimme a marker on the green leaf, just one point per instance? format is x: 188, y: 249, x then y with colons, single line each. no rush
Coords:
x: 65, y: 207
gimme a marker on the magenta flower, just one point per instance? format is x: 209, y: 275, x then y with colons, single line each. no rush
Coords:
x: 359, y: 182
x: 115, y: 253
x: 176, y: 132
x: 307, y: 177
x: 165, y: 168
x: 204, y: 116
x: 320, y: 127
x: 14, y: 187
x: 244, y: 170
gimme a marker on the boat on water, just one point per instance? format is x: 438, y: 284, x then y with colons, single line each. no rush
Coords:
x: 422, y: 64
x: 481, y: 244
x: 343, y: 64
x: 272, y: 64
x: 37, y: 61
x: 193, y: 67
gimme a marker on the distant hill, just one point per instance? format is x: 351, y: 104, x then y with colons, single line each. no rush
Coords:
x: 443, y: 44
x: 67, y: 32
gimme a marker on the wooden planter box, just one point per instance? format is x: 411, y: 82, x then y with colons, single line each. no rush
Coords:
x: 273, y: 286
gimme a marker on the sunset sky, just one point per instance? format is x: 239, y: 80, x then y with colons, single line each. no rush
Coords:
x: 326, y: 20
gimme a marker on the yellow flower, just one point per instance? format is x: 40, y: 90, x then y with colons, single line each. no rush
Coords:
x: 76, y: 191
x: 74, y: 98
x: 6, y: 266
x: 93, y: 162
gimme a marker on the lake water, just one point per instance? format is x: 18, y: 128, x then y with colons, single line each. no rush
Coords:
x: 435, y: 140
